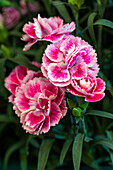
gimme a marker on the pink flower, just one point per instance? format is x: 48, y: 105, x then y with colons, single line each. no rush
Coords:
x: 18, y: 76
x: 33, y: 7
x: 49, y: 29
x: 89, y: 87
x: 11, y: 17
x: 71, y: 57
x: 40, y: 105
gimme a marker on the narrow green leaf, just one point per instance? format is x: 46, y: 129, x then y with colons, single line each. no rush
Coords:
x: 65, y: 150
x: 83, y: 104
x: 62, y: 10
x: 24, y: 61
x: 100, y: 113
x: 71, y: 103
x: 90, y: 26
x: 79, y: 3
x: 104, y: 22
x: 23, y: 158
x: 12, y: 149
x: 106, y: 142
x: 6, y: 51
x: 44, y: 153
x: 77, y: 151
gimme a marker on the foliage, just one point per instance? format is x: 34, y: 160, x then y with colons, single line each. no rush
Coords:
x: 86, y: 134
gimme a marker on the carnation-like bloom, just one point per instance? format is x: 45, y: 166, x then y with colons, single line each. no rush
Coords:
x: 91, y: 88
x: 11, y: 17
x: 18, y: 76
x: 33, y: 7
x: 49, y: 29
x: 40, y: 105
x: 71, y: 57
x: 37, y: 102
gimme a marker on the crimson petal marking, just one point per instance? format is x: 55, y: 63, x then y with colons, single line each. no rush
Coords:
x: 53, y: 53
x: 21, y: 72
x: 63, y: 108
x: 79, y: 71
x: 32, y: 87
x: 32, y: 119
x: 54, y: 37
x: 100, y: 85
x: 58, y: 73
x: 60, y: 96
x: 73, y: 91
x: 55, y: 114
x: 46, y: 126
x: 95, y: 97
x: 21, y: 101
x: 30, y: 29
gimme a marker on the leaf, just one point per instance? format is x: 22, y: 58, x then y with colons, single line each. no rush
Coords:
x: 71, y: 103
x: 5, y: 3
x: 90, y: 26
x: 100, y: 113
x: 104, y: 22
x: 12, y: 149
x: 82, y: 103
x: 65, y: 149
x: 79, y: 3
x: 24, y: 61
x: 62, y: 10
x: 106, y: 142
x: 6, y: 51
x: 23, y: 158
x: 44, y: 153
x: 77, y: 151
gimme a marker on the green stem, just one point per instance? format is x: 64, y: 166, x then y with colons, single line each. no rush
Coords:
x: 84, y: 127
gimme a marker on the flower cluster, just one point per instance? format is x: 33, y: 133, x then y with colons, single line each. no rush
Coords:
x: 69, y: 64
x: 37, y: 102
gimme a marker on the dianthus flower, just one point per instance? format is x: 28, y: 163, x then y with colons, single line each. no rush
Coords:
x: 37, y: 102
x: 91, y: 88
x: 11, y: 17
x: 67, y: 58
x: 49, y: 29
x: 18, y: 76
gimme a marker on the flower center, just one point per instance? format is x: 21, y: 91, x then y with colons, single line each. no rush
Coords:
x: 85, y: 83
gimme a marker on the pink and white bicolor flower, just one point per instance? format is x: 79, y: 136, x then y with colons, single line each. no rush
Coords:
x: 49, y: 29
x: 18, y: 76
x: 91, y: 88
x: 67, y: 58
x: 40, y: 105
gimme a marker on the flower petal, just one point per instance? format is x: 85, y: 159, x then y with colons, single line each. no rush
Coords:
x: 58, y: 73
x: 55, y: 114
x: 100, y: 85
x: 79, y: 71
x: 95, y: 97
x: 29, y: 44
x: 53, y: 53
